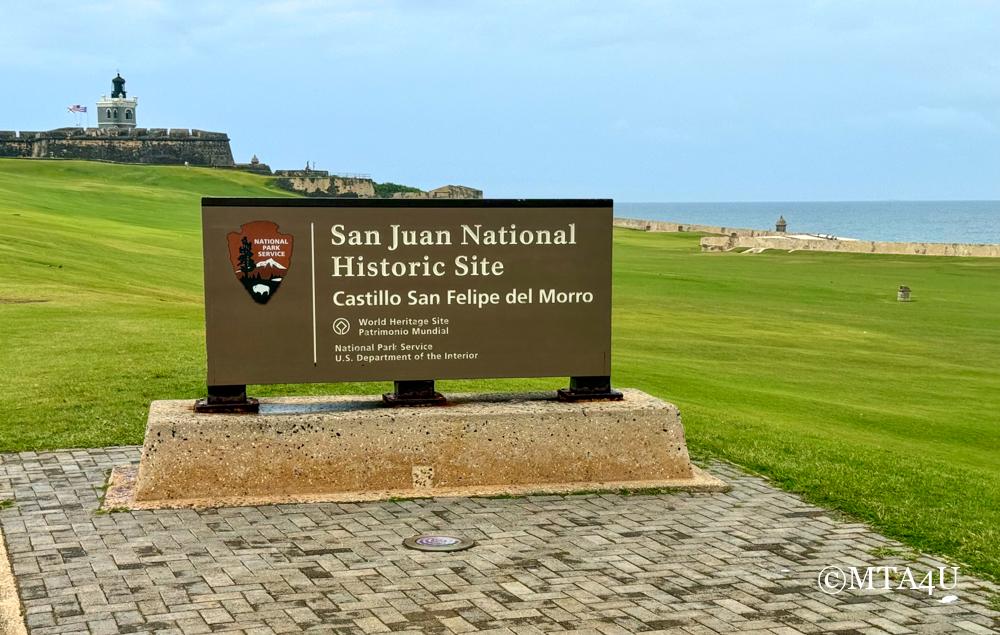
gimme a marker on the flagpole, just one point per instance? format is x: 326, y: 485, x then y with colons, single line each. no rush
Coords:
x: 79, y: 110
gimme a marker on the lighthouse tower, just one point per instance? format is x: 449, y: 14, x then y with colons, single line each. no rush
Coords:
x: 117, y: 110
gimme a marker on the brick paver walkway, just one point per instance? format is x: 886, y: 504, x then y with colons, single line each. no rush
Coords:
x: 746, y: 561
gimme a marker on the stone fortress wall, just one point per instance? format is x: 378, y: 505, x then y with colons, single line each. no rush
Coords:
x: 789, y: 243
x: 328, y: 185
x: 175, y: 146
x: 671, y: 226
x: 758, y: 240
x: 321, y: 183
x: 445, y: 191
x: 118, y: 140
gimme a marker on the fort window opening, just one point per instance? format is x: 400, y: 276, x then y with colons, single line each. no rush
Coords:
x: 108, y: 115
x: 128, y: 114
x: 116, y: 113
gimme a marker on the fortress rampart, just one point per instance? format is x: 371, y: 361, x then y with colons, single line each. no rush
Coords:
x: 760, y: 243
x: 174, y: 146
x: 325, y: 185
x: 757, y: 240
x: 671, y: 226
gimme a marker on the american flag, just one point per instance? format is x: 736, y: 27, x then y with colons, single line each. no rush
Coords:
x: 77, y: 108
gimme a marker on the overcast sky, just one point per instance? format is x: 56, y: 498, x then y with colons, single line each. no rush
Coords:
x: 640, y: 101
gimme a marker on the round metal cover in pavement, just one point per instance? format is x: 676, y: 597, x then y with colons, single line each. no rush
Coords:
x: 436, y: 542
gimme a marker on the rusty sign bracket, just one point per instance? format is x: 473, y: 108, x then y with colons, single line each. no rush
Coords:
x: 418, y: 392
x: 596, y: 388
x: 230, y: 399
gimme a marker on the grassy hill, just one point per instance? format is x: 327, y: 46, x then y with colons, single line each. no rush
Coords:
x: 800, y: 366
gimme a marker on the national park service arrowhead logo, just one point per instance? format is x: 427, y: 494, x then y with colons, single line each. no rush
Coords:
x: 260, y: 256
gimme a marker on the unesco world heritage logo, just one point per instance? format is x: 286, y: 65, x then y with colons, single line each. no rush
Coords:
x: 260, y: 256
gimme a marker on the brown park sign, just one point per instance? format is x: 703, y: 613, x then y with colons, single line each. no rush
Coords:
x: 332, y: 290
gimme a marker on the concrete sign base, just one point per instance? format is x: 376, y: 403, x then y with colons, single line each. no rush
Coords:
x: 353, y: 448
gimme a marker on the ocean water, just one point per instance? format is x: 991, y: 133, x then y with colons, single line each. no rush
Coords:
x: 897, y: 221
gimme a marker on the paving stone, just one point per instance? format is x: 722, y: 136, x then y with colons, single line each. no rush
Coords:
x: 742, y: 561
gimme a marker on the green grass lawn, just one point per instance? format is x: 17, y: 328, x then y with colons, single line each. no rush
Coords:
x: 800, y: 366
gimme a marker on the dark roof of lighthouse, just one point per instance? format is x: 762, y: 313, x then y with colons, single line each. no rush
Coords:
x: 119, y: 83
